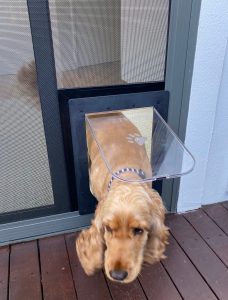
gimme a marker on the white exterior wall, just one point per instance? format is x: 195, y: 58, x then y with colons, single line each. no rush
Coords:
x: 207, y: 125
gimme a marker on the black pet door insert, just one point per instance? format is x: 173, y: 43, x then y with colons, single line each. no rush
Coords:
x: 79, y: 107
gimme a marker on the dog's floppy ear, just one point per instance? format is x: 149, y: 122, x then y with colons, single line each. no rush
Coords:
x: 90, y: 247
x: 158, y: 234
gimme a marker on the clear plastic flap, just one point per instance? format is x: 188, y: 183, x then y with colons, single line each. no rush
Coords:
x: 141, y: 141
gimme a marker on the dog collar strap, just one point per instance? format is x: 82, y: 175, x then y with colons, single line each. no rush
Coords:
x: 139, y: 172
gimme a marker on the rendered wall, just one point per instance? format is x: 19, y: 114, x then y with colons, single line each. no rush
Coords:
x: 207, y: 125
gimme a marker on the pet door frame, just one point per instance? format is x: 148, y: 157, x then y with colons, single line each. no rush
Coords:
x: 79, y: 107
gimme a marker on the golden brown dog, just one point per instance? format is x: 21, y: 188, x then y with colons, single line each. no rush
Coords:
x: 128, y: 228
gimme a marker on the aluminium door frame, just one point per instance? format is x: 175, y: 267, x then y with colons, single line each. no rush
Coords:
x: 183, y: 28
x: 184, y: 16
x: 40, y: 26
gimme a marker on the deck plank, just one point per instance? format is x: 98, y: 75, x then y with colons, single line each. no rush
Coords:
x: 24, y: 272
x: 210, y: 232
x: 4, y: 267
x: 219, y: 214
x: 196, y: 267
x: 131, y: 290
x: 88, y: 287
x: 157, y: 284
x: 184, y: 274
x: 55, y: 269
x: 225, y: 204
x: 204, y: 259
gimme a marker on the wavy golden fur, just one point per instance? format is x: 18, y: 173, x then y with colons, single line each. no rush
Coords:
x: 128, y: 228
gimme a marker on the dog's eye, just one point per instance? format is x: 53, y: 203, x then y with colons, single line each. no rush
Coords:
x: 137, y: 231
x: 109, y: 229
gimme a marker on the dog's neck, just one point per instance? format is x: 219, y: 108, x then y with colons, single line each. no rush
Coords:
x: 138, y: 172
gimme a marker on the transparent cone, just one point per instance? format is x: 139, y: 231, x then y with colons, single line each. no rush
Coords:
x: 160, y: 152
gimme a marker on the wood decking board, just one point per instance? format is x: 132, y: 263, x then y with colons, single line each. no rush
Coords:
x: 204, y: 259
x: 157, y: 284
x: 225, y: 204
x: 219, y: 214
x: 131, y: 291
x: 55, y: 270
x: 195, y: 268
x: 210, y: 232
x: 24, y: 272
x: 184, y: 274
x: 88, y: 287
x: 4, y: 272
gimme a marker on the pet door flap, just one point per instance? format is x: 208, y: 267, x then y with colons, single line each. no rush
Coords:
x: 137, y: 145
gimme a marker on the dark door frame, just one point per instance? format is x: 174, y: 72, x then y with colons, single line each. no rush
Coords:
x: 184, y: 16
x: 41, y: 33
x: 183, y: 27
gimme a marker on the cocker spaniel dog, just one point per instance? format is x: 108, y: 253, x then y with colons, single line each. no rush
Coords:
x: 128, y: 228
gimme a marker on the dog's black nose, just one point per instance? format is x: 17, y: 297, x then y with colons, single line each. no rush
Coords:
x: 118, y: 274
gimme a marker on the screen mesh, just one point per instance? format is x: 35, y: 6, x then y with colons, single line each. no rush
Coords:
x: 109, y: 42
x: 24, y: 170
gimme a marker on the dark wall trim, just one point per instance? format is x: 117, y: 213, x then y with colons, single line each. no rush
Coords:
x: 184, y: 18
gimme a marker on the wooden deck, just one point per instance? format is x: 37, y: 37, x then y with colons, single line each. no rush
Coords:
x: 196, y: 267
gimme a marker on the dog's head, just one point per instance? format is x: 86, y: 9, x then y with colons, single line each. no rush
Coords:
x: 128, y: 230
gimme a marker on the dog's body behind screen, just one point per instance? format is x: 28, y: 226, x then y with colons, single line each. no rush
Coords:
x: 128, y: 228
